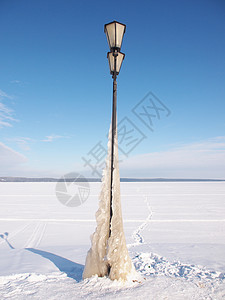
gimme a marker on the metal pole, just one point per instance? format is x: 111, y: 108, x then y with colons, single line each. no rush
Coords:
x: 113, y: 141
x: 112, y: 148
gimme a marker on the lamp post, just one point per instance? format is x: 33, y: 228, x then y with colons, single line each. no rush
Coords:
x: 114, y: 32
x: 108, y: 254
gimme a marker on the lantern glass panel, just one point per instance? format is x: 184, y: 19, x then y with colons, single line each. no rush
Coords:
x: 120, y: 30
x: 119, y: 60
x: 110, y: 33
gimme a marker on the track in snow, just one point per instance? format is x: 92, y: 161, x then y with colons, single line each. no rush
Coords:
x: 16, y: 232
x: 37, y: 235
x: 138, y: 238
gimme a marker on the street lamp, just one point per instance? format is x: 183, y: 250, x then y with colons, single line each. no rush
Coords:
x: 115, y: 61
x: 114, y: 32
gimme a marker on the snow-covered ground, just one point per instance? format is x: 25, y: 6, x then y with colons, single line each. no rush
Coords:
x: 175, y: 234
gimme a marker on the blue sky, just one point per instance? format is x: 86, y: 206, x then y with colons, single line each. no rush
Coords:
x: 56, y: 90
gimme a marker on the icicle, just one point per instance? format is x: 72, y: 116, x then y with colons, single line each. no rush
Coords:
x: 109, y: 251
x: 96, y: 257
x: 118, y: 256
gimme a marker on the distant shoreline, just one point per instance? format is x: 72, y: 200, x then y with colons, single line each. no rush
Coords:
x: 26, y: 179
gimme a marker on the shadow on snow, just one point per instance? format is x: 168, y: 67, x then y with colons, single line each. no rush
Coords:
x: 72, y: 269
x: 4, y: 236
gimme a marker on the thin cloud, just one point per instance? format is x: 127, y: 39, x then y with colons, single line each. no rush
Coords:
x: 6, y: 113
x: 4, y: 95
x: 16, y: 81
x: 53, y: 137
x: 9, y: 158
x: 22, y: 142
x: 25, y: 142
x: 205, y: 159
x: 5, y: 116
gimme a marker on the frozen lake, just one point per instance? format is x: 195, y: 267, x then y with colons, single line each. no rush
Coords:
x: 181, y: 221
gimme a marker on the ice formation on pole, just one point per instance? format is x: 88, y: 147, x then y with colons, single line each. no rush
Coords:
x: 108, y: 251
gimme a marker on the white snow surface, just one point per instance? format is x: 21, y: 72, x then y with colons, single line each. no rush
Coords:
x: 174, y: 232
